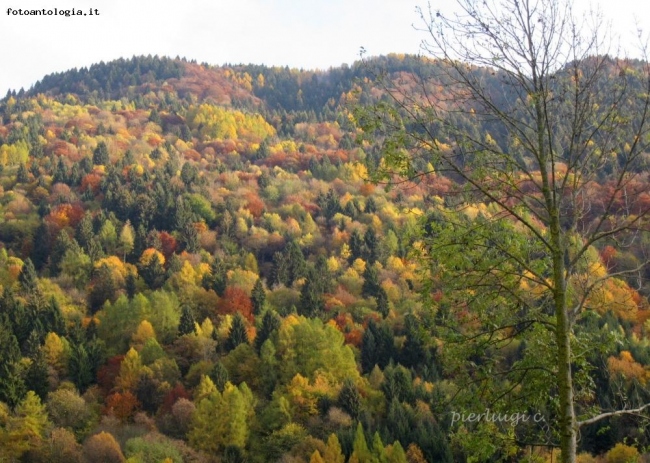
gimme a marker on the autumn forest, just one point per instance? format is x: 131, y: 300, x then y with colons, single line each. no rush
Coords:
x: 213, y: 264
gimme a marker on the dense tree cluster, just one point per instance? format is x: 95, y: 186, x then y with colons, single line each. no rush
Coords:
x: 194, y: 268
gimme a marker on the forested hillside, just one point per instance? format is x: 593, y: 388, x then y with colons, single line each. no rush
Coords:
x: 195, y: 268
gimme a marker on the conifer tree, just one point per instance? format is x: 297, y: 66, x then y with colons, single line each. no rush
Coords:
x: 12, y: 387
x: 270, y: 323
x: 382, y: 302
x: 258, y: 297
x: 238, y: 334
x: 80, y: 368
x: 219, y: 376
x: 37, y: 376
x: 100, y: 154
x: 371, y: 284
x: 28, y: 278
x: 187, y: 322
x: 350, y: 399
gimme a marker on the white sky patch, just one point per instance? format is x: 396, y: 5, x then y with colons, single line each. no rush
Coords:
x: 306, y: 34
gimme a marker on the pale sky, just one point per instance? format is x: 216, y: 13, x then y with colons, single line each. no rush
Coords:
x: 305, y: 34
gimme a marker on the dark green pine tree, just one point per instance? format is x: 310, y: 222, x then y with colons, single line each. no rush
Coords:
x: 264, y: 180
x: 140, y: 242
x: 368, y: 351
x: 37, y: 377
x: 52, y: 318
x: 28, y: 278
x: 371, y: 207
x: 258, y: 297
x: 131, y: 285
x: 219, y: 376
x: 371, y: 284
x: 238, y: 333
x: 270, y: 322
x: 350, y: 210
x: 349, y: 399
x: 371, y: 246
x: 33, y: 344
x: 60, y: 174
x: 233, y: 454
x: 12, y: 386
x: 19, y: 319
x: 100, y: 154
x: 80, y: 368
x: 263, y: 151
x: 153, y: 273
x: 61, y: 245
x: 382, y: 302
x: 186, y: 324
x: 182, y: 214
x: 217, y: 278
x: 91, y: 330
x: 41, y: 246
x: 103, y: 288
x: 357, y: 246
x: 96, y: 351
x: 398, y: 384
x: 311, y: 295
x: 85, y: 231
x: 280, y: 270
x: 190, y: 238
x: 414, y: 351
x: 155, y: 117
x: 22, y: 175
x: 323, y: 275
x: 329, y: 204
x: 295, y: 260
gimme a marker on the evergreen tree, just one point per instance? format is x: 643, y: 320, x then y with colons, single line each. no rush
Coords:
x: 52, y: 318
x: 414, y: 352
x: 37, y: 378
x: 270, y: 323
x: 311, y: 295
x: 12, y: 387
x: 368, y: 351
x: 357, y: 246
x: 349, y: 398
x: 258, y: 297
x: 296, y: 262
x: 382, y: 302
x: 187, y: 322
x: 103, y: 288
x: 217, y: 278
x: 233, y: 454
x: 130, y: 285
x: 153, y: 273
x: 371, y: 284
x: 371, y: 207
x: 28, y: 278
x: 219, y: 376
x: 100, y: 154
x: 22, y: 175
x: 238, y: 333
x: 40, y: 246
x: 190, y: 238
x: 80, y: 368
x: 371, y: 246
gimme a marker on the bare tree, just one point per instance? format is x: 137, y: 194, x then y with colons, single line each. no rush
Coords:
x: 561, y: 170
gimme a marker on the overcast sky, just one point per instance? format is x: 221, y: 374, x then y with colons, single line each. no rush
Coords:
x: 299, y: 33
